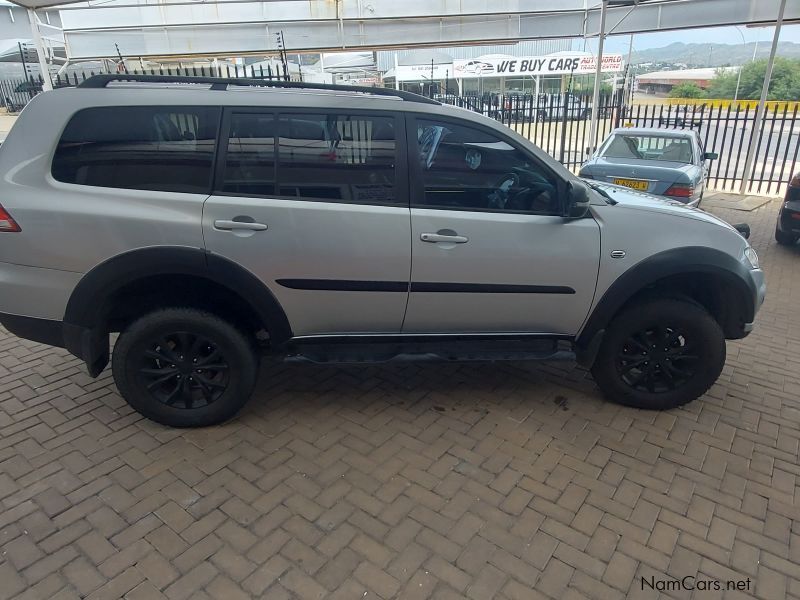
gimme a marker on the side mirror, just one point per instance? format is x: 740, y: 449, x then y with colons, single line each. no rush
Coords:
x: 577, y: 203
x: 710, y: 156
x: 588, y: 150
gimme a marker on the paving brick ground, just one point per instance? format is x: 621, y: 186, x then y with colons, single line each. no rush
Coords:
x: 514, y: 481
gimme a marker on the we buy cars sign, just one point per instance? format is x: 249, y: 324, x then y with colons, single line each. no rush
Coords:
x: 561, y: 64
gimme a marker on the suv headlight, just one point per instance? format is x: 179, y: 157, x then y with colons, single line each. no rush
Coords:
x: 751, y: 257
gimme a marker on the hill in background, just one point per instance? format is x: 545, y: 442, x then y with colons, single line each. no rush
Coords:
x: 711, y: 55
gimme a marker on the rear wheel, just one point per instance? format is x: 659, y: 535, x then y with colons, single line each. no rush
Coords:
x: 785, y: 239
x: 660, y: 354
x: 184, y: 367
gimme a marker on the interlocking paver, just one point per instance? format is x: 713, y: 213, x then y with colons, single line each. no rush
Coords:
x: 409, y: 481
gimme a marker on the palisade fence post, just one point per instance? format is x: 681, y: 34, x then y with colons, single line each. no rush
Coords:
x: 777, y: 143
x: 787, y: 145
x: 564, y: 108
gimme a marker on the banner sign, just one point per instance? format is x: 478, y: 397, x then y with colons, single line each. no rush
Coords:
x: 561, y: 64
x: 424, y: 72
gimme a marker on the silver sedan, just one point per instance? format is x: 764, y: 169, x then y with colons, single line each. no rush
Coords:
x: 665, y: 162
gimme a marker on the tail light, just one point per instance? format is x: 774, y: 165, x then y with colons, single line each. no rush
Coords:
x: 680, y: 190
x: 7, y: 224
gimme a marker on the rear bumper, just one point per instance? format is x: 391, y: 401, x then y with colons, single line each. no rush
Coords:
x: 788, y: 221
x: 43, y: 331
x: 44, y: 292
x: 90, y: 346
x: 787, y: 224
x: 35, y: 291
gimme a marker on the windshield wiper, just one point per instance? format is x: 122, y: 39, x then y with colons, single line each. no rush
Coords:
x: 602, y: 192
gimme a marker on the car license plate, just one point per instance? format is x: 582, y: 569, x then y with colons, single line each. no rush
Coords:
x: 636, y: 184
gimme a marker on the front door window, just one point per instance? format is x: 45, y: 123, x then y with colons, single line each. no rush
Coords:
x: 465, y: 168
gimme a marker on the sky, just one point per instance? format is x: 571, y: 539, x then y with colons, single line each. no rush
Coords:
x: 714, y: 35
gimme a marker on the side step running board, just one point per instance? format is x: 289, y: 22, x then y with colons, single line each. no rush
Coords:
x: 456, y: 351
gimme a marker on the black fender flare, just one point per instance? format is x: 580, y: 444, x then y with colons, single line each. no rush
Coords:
x: 677, y: 261
x: 84, y: 333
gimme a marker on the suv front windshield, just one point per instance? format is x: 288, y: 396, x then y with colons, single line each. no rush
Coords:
x: 648, y: 147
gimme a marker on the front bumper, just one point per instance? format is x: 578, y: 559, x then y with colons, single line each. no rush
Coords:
x: 760, y: 286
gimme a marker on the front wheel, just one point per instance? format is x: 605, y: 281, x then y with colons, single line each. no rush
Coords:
x: 660, y: 354
x: 184, y: 367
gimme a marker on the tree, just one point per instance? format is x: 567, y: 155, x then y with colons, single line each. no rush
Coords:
x: 688, y: 89
x: 784, y: 85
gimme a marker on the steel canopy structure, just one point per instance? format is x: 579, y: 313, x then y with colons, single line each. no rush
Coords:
x: 179, y: 28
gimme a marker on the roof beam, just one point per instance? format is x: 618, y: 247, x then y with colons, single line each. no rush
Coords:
x: 247, y: 26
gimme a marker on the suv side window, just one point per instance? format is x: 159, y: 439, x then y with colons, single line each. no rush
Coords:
x: 467, y: 168
x: 337, y: 158
x: 250, y: 158
x: 163, y: 148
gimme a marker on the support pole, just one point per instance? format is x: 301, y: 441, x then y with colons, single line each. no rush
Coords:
x: 24, y: 64
x: 47, y: 83
x: 752, y: 148
x: 627, y: 84
x: 396, y: 74
x: 596, y: 95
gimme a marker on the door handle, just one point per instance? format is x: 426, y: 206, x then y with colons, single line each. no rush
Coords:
x: 249, y: 225
x: 438, y: 237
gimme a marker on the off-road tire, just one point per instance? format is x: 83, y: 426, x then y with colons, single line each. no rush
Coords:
x: 695, y: 332
x: 225, y: 357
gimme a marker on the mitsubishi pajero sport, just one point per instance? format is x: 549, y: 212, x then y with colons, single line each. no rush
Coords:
x: 210, y: 221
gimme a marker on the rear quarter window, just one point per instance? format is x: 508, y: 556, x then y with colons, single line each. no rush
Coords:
x: 161, y: 148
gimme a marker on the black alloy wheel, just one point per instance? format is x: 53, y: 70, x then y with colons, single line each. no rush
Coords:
x: 657, y: 360
x: 184, y: 370
x: 185, y: 367
x: 659, y: 353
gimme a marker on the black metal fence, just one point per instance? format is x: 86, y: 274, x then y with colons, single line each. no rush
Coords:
x: 560, y: 123
x: 729, y: 131
x: 557, y: 123
x: 16, y: 93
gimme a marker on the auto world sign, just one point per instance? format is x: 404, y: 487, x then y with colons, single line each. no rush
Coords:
x: 562, y: 64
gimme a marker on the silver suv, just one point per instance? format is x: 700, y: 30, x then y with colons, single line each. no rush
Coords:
x: 210, y: 221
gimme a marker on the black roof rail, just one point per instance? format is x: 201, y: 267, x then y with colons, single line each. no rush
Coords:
x: 222, y: 83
